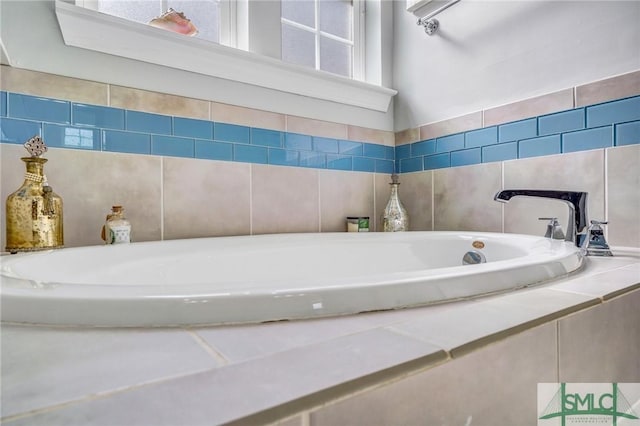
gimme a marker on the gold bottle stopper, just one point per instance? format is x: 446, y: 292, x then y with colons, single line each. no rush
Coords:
x: 36, y: 146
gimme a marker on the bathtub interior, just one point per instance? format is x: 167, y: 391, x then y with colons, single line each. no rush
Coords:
x: 270, y: 277
x: 264, y: 258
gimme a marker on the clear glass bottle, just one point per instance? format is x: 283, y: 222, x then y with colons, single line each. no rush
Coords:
x: 117, y: 229
x: 395, y: 217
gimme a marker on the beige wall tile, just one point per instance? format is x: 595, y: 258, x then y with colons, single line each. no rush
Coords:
x: 621, y: 86
x: 284, y: 199
x: 472, y: 389
x: 545, y: 104
x: 89, y: 184
x: 362, y: 134
x: 52, y: 86
x: 205, y: 198
x: 463, y: 198
x: 313, y: 127
x: 160, y: 103
x: 579, y: 171
x: 416, y: 196
x: 454, y: 125
x: 344, y: 194
x: 407, y: 136
x: 11, y: 175
x: 623, y: 192
x: 247, y: 116
x: 602, y: 344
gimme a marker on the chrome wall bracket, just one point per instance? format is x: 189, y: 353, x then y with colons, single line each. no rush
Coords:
x: 430, y: 26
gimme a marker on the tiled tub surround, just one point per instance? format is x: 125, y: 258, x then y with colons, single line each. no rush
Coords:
x: 615, y: 123
x: 461, y: 198
x: 417, y: 366
x: 170, y: 197
x: 264, y: 198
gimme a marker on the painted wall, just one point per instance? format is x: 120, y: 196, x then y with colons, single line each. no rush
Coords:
x: 490, y: 53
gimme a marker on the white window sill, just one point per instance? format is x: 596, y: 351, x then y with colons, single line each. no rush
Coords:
x: 413, y: 5
x: 99, y: 32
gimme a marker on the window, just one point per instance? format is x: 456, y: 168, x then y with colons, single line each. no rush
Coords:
x: 204, y: 14
x: 325, y: 35
x: 322, y: 34
x: 82, y: 27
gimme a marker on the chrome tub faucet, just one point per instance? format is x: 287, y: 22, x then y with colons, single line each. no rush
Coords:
x: 593, y: 242
x: 577, y: 202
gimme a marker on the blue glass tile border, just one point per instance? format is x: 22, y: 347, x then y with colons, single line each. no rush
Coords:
x: 599, y: 126
x: 79, y: 125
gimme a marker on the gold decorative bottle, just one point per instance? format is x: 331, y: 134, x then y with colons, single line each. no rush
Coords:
x: 395, y: 217
x: 34, y: 211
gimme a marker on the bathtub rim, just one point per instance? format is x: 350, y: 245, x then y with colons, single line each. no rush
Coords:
x: 74, y: 301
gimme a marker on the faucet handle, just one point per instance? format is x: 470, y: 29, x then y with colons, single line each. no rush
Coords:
x: 554, y: 230
x: 594, y: 242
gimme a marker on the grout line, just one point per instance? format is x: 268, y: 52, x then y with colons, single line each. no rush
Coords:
x: 502, y: 205
x: 605, y: 179
x: 250, y: 199
x: 433, y: 200
x: 319, y: 202
x: 161, y: 198
x: 557, y: 351
x: 375, y: 204
x: 215, y: 354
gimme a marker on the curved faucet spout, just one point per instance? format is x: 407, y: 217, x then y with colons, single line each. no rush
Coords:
x: 577, y: 202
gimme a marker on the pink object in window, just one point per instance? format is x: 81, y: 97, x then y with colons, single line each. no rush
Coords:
x: 174, y: 21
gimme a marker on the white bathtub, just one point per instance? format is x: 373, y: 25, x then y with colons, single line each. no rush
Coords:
x: 269, y: 277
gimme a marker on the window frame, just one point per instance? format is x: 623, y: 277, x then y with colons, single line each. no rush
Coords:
x: 82, y: 27
x: 357, y: 37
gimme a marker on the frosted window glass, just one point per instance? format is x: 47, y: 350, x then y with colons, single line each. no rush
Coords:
x: 300, y: 11
x: 335, y: 17
x: 133, y: 10
x: 298, y: 46
x: 203, y: 13
x: 335, y: 57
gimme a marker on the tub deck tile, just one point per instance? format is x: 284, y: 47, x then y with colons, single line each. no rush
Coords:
x: 43, y: 367
x: 231, y: 393
x: 605, y: 285
x: 490, y: 319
